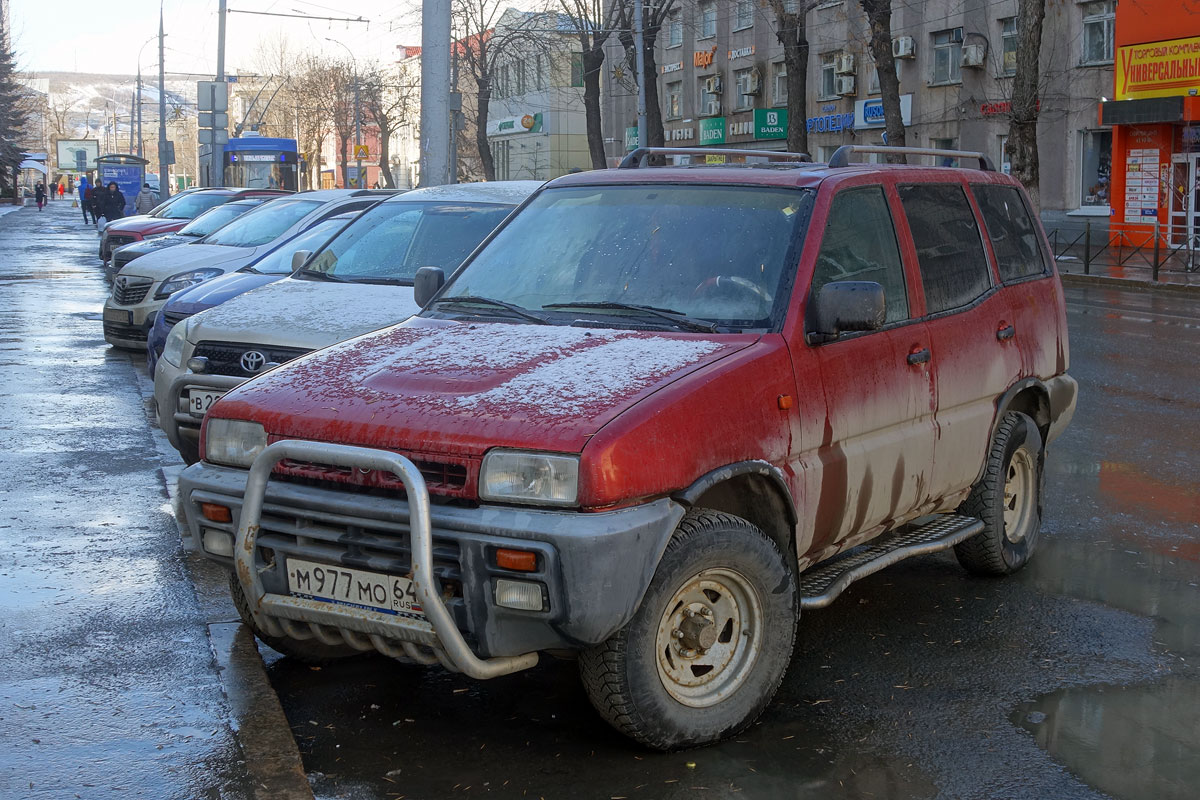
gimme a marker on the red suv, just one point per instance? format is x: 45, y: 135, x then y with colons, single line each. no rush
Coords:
x: 654, y: 415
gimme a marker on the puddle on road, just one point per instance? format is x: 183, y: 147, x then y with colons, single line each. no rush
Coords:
x: 1133, y: 742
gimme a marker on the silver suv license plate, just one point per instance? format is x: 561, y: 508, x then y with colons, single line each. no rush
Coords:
x: 199, y: 402
x: 353, y: 587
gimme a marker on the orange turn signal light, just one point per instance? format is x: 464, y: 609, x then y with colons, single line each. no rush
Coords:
x: 518, y: 560
x: 785, y: 401
x: 216, y: 513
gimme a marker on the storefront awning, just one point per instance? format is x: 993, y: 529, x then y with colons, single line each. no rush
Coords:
x: 1150, y: 110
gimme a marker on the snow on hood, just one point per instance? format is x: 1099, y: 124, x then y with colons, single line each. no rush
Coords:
x: 164, y: 263
x: 295, y: 313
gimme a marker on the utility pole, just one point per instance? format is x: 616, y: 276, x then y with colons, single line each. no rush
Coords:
x: 455, y: 114
x: 164, y: 185
x: 358, y: 175
x: 134, y: 99
x: 638, y: 22
x: 139, y: 111
x: 221, y: 40
x: 435, y: 105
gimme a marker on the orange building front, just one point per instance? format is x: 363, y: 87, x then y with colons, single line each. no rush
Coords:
x: 1155, y: 114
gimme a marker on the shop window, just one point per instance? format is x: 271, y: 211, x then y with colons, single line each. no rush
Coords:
x: 741, y: 82
x: 708, y: 19
x: 675, y: 100
x: 1097, y: 168
x: 828, y: 75
x: 1098, y: 20
x: 945, y: 144
x: 781, y: 94
x: 675, y: 29
x: 743, y: 14
x: 1002, y: 156
x: 1014, y: 237
x: 954, y: 270
x: 825, y: 152
x: 947, y: 56
x: 1008, y: 46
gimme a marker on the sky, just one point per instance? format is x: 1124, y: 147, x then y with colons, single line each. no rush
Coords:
x: 99, y: 37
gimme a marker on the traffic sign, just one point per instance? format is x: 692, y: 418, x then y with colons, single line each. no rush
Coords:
x: 362, y: 152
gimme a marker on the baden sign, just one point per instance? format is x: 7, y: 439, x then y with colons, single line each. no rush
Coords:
x: 770, y: 123
x: 712, y: 130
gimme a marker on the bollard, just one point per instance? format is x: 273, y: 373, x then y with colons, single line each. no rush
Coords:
x: 1087, y: 247
x: 1154, y: 267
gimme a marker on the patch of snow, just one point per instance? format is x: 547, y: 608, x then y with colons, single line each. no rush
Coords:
x: 511, y: 192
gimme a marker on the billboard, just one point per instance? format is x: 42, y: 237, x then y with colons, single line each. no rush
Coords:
x: 78, y: 154
x: 1158, y: 69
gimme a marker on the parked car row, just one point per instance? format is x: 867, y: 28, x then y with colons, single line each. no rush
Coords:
x: 646, y: 418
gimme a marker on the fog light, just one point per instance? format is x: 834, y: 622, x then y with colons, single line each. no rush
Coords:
x: 214, y: 512
x: 219, y: 543
x: 518, y: 594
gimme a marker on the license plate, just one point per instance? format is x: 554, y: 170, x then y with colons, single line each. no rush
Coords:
x: 199, y: 402
x: 391, y: 594
x: 118, y: 315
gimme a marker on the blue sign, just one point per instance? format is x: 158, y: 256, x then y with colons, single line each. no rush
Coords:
x: 128, y: 178
x: 831, y: 123
x: 873, y: 111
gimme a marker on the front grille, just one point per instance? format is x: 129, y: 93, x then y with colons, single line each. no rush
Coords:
x: 121, y: 258
x: 129, y: 291
x: 173, y: 318
x: 116, y: 239
x: 119, y: 330
x: 449, y: 476
x: 225, y: 358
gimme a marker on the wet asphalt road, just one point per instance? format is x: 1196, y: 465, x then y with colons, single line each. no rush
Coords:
x: 1073, y: 679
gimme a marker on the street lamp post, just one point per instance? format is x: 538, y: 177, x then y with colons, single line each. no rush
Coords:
x: 358, y: 176
x: 139, y: 95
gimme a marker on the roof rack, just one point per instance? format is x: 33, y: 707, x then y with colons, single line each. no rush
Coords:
x: 637, y: 158
x: 841, y: 157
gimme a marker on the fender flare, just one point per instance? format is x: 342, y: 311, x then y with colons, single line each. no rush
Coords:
x: 696, y: 490
x: 1002, y: 405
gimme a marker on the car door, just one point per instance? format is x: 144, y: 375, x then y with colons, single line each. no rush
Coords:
x: 966, y: 316
x: 868, y: 433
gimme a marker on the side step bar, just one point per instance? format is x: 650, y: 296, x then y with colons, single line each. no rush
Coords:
x: 822, y: 584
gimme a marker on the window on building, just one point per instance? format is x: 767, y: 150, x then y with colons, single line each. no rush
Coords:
x: 791, y: 6
x: 500, y: 82
x: 577, y: 69
x: 859, y: 244
x: 675, y: 29
x: 708, y: 19
x: 500, y: 159
x: 1005, y: 164
x: 829, y: 75
x: 518, y: 77
x: 947, y: 56
x: 825, y: 152
x: 710, y: 102
x: 741, y: 84
x: 873, y: 86
x: 1015, y: 239
x: 675, y: 100
x: 1008, y: 45
x: 1098, y: 21
x: 780, y: 89
x: 945, y: 144
x: 1097, y: 167
x: 743, y: 14
x: 954, y: 270
x: 539, y: 71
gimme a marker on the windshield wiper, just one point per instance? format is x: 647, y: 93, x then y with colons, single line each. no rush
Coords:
x: 487, y: 301
x: 322, y: 276
x: 675, y: 317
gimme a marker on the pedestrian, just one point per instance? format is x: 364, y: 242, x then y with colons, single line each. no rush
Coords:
x: 145, y: 200
x: 39, y: 194
x: 82, y: 186
x: 91, y: 202
x: 61, y: 191
x: 113, y: 202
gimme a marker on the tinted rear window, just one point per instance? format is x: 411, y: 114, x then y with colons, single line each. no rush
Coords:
x: 1015, y: 238
x: 954, y: 269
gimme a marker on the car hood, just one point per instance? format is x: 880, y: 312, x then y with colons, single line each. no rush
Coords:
x: 158, y: 243
x: 304, y: 314
x: 129, y: 224
x: 461, y: 388
x: 217, y: 291
x: 164, y: 263
x: 146, y: 226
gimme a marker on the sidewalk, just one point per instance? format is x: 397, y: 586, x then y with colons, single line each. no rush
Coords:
x: 1106, y: 270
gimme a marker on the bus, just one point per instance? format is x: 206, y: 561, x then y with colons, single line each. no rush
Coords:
x: 260, y: 162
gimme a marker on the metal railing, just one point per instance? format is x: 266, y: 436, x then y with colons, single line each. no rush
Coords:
x: 1151, y: 250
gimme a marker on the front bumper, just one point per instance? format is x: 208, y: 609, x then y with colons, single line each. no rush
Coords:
x: 128, y: 326
x: 594, y: 568
x: 172, y: 388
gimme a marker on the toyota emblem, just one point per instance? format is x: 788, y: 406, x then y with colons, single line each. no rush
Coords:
x: 253, y: 360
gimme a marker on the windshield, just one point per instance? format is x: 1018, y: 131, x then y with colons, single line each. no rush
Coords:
x: 193, y: 205
x: 391, y: 241
x: 279, y: 260
x: 263, y: 224
x: 214, y: 218
x: 713, y: 253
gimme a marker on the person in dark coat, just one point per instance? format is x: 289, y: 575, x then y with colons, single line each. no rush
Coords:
x: 112, y: 202
x: 92, y: 202
x: 39, y: 194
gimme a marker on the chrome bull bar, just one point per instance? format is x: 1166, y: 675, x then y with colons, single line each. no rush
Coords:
x: 275, y: 613
x: 171, y: 417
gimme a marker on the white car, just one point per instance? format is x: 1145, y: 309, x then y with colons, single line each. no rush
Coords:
x: 142, y: 287
x: 359, y: 281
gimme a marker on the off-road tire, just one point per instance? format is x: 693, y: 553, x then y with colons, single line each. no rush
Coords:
x: 309, y: 651
x: 995, y: 551
x: 622, y: 675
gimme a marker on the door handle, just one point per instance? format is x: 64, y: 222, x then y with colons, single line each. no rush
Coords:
x: 918, y: 355
x: 1005, y: 332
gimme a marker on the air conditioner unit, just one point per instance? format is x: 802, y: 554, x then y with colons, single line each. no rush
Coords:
x: 844, y: 64
x: 845, y: 86
x: 713, y: 108
x: 904, y: 47
x: 973, y: 55
x: 712, y: 84
x: 755, y: 83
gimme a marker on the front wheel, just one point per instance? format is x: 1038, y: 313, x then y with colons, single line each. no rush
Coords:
x: 708, y: 647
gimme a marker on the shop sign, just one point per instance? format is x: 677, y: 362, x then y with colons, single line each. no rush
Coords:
x: 770, y: 123
x: 869, y: 113
x: 1158, y: 69
x: 1000, y: 108
x: 1191, y: 136
x: 525, y: 123
x: 831, y: 123
x: 712, y: 130
x: 744, y: 128
x: 741, y: 52
x: 1141, y: 184
x: 703, y: 58
x: 681, y: 135
x: 669, y: 68
x: 631, y: 138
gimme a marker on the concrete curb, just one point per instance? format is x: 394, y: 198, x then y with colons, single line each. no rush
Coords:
x: 1077, y: 279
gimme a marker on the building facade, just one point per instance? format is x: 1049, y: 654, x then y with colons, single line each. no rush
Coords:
x: 722, y: 81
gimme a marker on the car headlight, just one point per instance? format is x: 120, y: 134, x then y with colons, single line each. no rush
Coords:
x: 233, y: 442
x: 176, y: 343
x: 183, y: 280
x: 511, y: 476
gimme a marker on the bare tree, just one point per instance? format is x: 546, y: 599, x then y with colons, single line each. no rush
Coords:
x: 653, y: 17
x: 333, y: 86
x: 1022, y: 131
x: 388, y: 104
x: 791, y: 29
x: 879, y: 17
x: 593, y: 24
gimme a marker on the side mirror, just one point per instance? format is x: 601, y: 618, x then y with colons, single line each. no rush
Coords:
x: 427, y: 282
x: 299, y: 257
x: 844, y: 306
